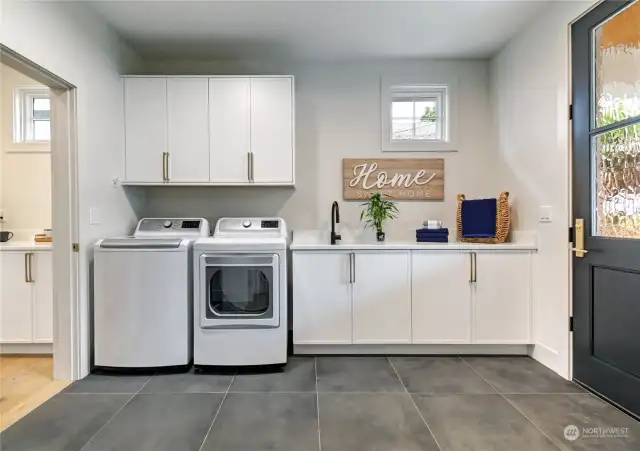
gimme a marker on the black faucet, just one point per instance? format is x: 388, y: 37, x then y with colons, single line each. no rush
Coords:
x: 335, y: 219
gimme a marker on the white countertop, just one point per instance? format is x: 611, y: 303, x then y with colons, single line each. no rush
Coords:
x: 25, y: 246
x: 319, y: 240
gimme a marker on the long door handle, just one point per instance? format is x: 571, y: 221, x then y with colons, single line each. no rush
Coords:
x: 350, y: 268
x: 470, y: 267
x: 249, y: 166
x: 167, y: 166
x: 578, y: 240
x: 164, y: 166
x: 26, y: 267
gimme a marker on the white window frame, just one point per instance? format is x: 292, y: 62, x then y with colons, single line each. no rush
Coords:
x: 410, y: 90
x: 23, y: 113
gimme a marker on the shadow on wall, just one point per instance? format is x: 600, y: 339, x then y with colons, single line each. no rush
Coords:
x: 214, y: 203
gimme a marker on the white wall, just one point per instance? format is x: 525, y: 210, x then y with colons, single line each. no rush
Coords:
x: 77, y: 46
x: 338, y: 116
x: 530, y: 86
x: 25, y: 169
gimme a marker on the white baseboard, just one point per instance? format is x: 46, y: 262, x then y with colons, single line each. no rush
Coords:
x: 549, y: 358
x: 26, y: 348
x: 424, y: 349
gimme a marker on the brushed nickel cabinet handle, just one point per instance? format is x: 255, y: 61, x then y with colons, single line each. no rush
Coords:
x: 249, y: 166
x: 475, y: 267
x: 353, y: 255
x: 31, y: 279
x: 164, y: 167
x: 470, y: 267
x: 26, y: 267
x: 251, y: 159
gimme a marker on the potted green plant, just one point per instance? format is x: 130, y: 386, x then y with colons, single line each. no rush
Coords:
x: 377, y: 211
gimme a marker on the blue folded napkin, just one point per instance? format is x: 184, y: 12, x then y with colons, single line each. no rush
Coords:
x: 432, y: 232
x: 435, y: 239
x: 479, y: 218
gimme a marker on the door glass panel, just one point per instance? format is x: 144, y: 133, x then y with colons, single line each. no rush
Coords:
x: 617, y: 67
x: 616, y: 196
x: 240, y: 291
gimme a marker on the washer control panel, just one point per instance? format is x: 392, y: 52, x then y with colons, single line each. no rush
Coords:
x: 172, y: 227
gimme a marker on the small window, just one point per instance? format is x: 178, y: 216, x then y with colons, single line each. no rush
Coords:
x: 32, y: 115
x: 415, y: 117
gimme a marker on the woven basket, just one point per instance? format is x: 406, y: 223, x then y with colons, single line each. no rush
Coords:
x: 503, y: 220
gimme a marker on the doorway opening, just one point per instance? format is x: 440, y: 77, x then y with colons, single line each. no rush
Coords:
x: 38, y: 224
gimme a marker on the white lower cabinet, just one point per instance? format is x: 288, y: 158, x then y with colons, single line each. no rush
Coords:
x: 322, y: 293
x: 502, y: 298
x: 26, y: 297
x: 402, y: 297
x: 441, y: 297
x: 381, y: 297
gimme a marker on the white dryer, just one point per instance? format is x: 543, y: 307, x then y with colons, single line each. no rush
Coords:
x: 143, y: 295
x: 240, y: 294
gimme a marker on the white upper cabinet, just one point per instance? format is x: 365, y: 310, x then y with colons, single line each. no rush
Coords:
x: 381, y: 297
x: 441, y: 297
x: 188, y: 130
x: 145, y: 104
x: 322, y: 306
x: 209, y: 130
x: 230, y: 129
x: 272, y: 130
x: 502, y: 298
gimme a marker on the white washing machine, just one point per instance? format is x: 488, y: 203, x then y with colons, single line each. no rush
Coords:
x: 240, y: 294
x: 143, y: 295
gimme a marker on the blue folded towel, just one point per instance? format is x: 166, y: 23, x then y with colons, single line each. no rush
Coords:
x: 432, y: 232
x: 433, y: 240
x: 479, y: 218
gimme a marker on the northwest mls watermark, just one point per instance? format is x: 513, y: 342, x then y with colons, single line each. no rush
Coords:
x: 573, y: 432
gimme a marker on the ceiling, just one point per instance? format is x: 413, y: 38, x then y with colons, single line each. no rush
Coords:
x: 317, y: 30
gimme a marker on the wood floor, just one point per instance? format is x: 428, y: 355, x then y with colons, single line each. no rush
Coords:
x: 25, y: 383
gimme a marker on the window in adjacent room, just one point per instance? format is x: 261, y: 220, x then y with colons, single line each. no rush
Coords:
x: 416, y: 117
x: 32, y: 115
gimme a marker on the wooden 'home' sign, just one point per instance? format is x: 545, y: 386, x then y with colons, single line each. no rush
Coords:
x: 399, y: 178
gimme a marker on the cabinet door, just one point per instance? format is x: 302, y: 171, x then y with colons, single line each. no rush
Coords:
x: 272, y: 129
x: 502, y: 298
x: 229, y: 129
x: 145, y: 110
x: 16, y: 299
x: 188, y: 129
x: 43, y: 298
x: 321, y: 298
x: 381, y: 298
x: 441, y: 297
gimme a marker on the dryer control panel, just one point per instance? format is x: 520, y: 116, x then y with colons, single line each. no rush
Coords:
x: 251, y: 228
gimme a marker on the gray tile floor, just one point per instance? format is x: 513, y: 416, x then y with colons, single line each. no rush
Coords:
x: 329, y: 404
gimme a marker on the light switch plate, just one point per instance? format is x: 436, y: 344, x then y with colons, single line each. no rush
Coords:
x: 545, y: 214
x: 95, y: 216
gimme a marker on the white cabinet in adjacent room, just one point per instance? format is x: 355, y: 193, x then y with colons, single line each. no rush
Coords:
x: 187, y: 130
x: 145, y: 105
x: 16, y: 302
x: 381, y: 297
x: 502, y: 298
x: 322, y: 302
x: 42, y: 297
x: 26, y: 297
x: 230, y: 129
x: 441, y: 297
x: 272, y: 129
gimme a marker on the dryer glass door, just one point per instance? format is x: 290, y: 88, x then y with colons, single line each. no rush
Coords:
x: 240, y: 290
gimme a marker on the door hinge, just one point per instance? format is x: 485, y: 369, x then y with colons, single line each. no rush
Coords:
x: 75, y: 247
x: 571, y: 324
x: 571, y: 234
x: 571, y: 112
